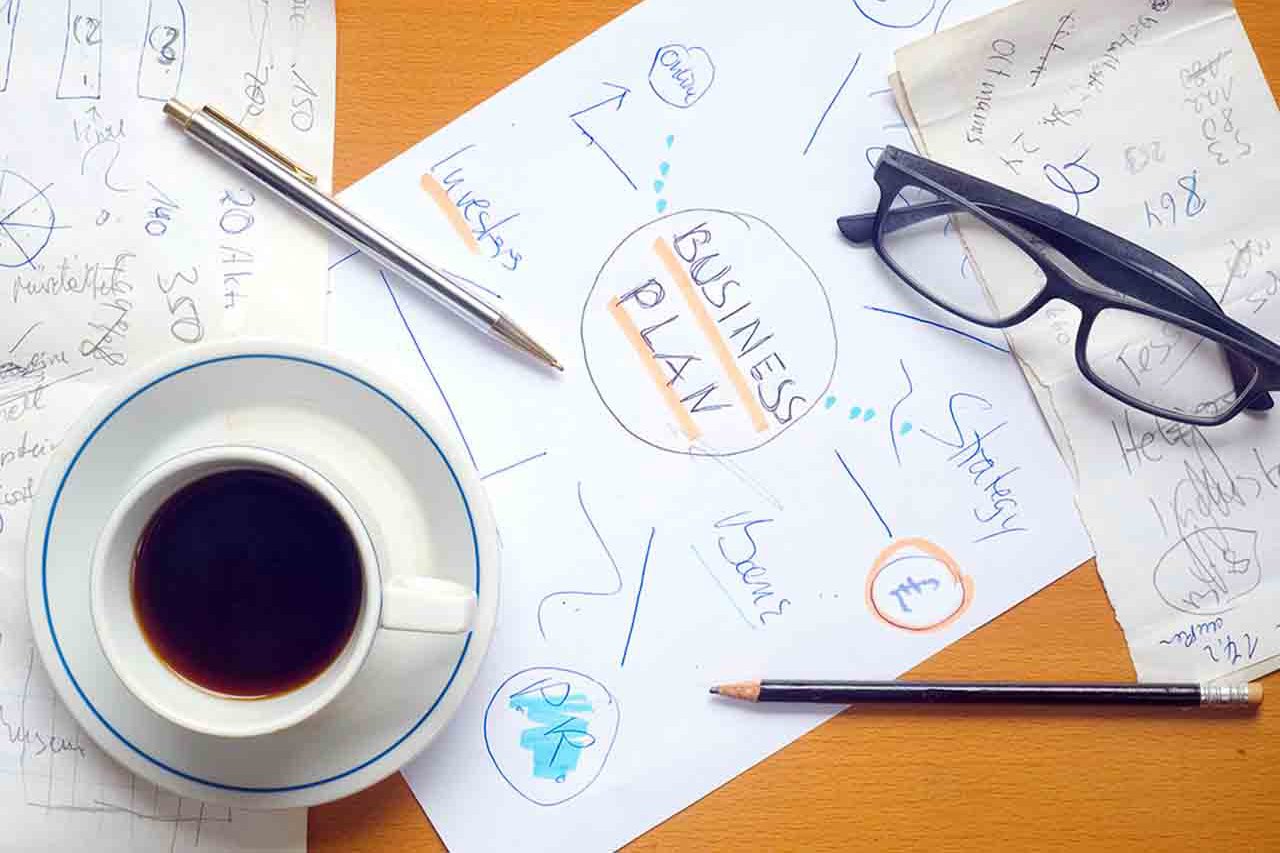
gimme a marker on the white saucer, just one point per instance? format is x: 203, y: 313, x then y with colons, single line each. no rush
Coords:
x: 399, y: 465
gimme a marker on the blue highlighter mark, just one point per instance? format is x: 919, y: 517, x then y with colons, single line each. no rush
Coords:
x: 559, y: 737
x: 660, y: 183
x: 905, y: 428
x: 858, y: 413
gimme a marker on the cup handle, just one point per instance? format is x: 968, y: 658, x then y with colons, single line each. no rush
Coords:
x: 427, y: 605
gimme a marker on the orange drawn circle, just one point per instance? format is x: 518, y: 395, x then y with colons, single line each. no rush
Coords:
x: 884, y: 558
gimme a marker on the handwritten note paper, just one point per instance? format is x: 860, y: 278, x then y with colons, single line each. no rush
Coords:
x: 120, y: 240
x: 1151, y: 118
x: 765, y: 458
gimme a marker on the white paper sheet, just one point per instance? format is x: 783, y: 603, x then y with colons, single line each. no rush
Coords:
x: 880, y: 487
x: 1156, y: 121
x: 120, y: 240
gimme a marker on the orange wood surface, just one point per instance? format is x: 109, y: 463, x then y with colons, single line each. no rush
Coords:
x: 868, y: 780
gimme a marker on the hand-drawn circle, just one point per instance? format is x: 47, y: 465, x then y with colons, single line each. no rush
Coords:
x: 896, y: 14
x: 492, y: 721
x: 27, y: 220
x: 787, y: 281
x: 1208, y: 570
x: 912, y: 549
x: 681, y: 75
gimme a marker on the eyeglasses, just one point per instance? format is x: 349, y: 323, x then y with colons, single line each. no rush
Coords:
x: 1150, y: 335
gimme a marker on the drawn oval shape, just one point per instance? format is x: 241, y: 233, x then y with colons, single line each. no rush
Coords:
x: 916, y: 586
x: 1208, y: 570
x: 896, y: 14
x: 681, y: 75
x: 705, y: 333
x: 549, y: 732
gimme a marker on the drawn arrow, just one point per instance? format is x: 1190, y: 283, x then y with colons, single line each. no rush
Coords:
x: 617, y: 100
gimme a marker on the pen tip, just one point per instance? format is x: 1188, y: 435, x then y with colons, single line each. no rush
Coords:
x: 557, y: 365
x: 715, y: 691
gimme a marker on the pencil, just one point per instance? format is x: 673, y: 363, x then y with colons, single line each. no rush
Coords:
x: 992, y: 692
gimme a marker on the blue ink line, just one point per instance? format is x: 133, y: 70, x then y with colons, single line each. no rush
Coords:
x: 893, y: 413
x: 617, y: 573
x: 834, y: 97
x: 467, y: 445
x: 644, y: 568
x: 750, y: 624
x: 605, y: 152
x: 941, y: 15
x: 514, y: 464
x: 870, y: 502
x: 942, y: 326
x: 573, y: 117
x: 344, y: 259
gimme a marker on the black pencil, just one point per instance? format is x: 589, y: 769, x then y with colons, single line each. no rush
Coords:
x: 991, y: 693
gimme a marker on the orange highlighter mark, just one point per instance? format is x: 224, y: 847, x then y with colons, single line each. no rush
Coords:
x: 712, y: 334
x: 930, y: 550
x: 437, y: 192
x: 632, y: 333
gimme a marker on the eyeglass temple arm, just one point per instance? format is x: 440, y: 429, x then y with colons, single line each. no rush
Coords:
x: 859, y: 229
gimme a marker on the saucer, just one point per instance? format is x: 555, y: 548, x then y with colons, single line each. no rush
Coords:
x: 396, y: 465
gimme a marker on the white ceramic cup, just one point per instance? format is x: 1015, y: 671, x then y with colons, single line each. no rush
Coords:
x: 403, y: 601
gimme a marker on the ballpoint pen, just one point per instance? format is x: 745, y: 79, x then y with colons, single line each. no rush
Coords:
x: 296, y: 185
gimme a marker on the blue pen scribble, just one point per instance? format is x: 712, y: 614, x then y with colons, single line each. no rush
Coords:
x: 565, y: 593
x: 1060, y: 178
x: 896, y: 16
x: 558, y: 739
x: 894, y: 432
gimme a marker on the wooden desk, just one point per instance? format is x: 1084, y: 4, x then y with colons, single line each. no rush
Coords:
x: 883, y: 781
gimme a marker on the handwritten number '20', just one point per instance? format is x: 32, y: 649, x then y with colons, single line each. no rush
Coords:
x: 235, y: 219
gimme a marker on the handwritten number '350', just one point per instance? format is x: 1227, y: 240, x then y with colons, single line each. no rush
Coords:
x: 186, y: 326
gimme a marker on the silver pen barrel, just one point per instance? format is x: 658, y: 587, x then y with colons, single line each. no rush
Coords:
x: 290, y: 181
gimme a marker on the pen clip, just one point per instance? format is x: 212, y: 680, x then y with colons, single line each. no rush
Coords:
x: 249, y: 137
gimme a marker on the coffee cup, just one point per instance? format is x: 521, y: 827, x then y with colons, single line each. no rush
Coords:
x: 137, y: 632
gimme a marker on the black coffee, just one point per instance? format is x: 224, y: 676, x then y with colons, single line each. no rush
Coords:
x: 247, y: 583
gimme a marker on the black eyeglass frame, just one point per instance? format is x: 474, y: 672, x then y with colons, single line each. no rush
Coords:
x: 1136, y: 279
